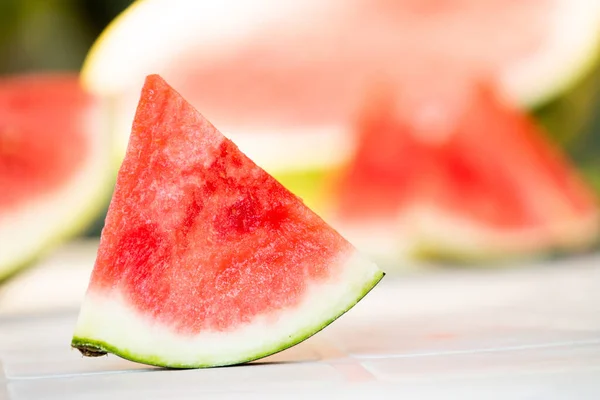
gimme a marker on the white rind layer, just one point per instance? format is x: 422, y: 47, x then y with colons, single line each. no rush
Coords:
x: 427, y: 229
x: 108, y: 322
x: 27, y: 231
x: 436, y: 231
x: 313, y: 148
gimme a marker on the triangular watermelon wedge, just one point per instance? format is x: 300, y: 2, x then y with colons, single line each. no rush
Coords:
x: 461, y: 175
x: 205, y: 259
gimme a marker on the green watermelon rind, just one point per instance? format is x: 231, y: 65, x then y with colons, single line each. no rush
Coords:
x: 98, y: 347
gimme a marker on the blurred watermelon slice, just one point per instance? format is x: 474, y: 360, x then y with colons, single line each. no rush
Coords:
x: 55, y: 170
x: 291, y: 73
x: 460, y: 174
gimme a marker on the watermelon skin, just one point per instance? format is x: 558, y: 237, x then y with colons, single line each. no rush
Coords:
x: 54, y: 155
x: 483, y: 185
x: 205, y: 259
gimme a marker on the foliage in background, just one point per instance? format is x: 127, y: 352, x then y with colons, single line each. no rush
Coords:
x: 51, y: 34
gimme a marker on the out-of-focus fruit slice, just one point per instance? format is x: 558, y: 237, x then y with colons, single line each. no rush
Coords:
x: 55, y: 166
x: 290, y: 73
x: 205, y: 259
x: 460, y: 174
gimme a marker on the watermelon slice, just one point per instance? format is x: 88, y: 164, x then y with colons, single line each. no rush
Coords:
x: 472, y: 178
x: 266, y: 69
x: 55, y: 166
x: 205, y: 259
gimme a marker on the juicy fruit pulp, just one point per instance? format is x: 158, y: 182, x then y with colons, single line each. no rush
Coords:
x: 31, y: 162
x: 484, y: 171
x: 54, y: 164
x: 203, y: 250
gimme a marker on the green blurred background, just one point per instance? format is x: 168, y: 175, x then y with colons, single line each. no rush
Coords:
x: 51, y: 34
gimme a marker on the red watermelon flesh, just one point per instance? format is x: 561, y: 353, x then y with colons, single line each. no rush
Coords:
x: 200, y: 242
x: 41, y: 141
x: 498, y: 154
x: 384, y: 166
x: 488, y: 168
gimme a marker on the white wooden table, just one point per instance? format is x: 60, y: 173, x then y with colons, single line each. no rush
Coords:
x: 522, y: 333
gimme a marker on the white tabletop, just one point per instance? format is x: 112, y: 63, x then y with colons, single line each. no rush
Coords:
x: 531, y: 332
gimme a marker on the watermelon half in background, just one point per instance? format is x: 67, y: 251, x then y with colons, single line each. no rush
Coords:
x: 55, y: 164
x: 284, y: 78
x: 205, y: 259
x: 459, y: 174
